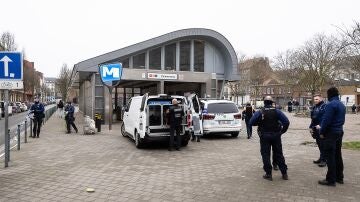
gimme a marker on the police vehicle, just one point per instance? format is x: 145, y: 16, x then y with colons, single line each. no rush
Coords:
x: 220, y: 116
x: 145, y: 119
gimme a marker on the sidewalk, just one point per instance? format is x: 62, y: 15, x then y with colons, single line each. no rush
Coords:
x: 59, y: 167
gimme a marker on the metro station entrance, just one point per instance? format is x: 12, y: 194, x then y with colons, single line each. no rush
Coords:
x: 128, y: 89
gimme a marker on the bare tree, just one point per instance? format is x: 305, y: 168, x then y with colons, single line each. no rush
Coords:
x: 62, y: 82
x: 7, y: 41
x: 30, y: 79
x: 317, y: 60
x: 351, y: 43
x: 286, y: 68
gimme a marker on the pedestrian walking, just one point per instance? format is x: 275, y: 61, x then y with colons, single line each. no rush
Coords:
x: 317, y: 113
x: 37, y: 109
x: 272, y: 123
x: 246, y: 115
x: 69, y: 117
x: 175, y: 114
x: 331, y: 132
x: 60, y: 108
x: 290, y: 106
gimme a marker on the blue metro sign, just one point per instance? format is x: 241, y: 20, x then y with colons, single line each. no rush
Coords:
x: 110, y: 74
x: 11, y: 66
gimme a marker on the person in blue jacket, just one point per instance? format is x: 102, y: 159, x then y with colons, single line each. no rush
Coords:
x: 272, y: 123
x: 38, y: 110
x: 331, y: 132
x: 317, y: 113
x: 69, y: 117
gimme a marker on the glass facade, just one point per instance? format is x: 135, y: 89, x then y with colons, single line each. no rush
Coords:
x: 155, y: 59
x: 199, y: 52
x: 170, y: 57
x: 125, y: 63
x: 185, y: 55
x: 139, y: 61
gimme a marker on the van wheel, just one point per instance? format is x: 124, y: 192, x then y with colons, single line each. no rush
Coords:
x: 235, y: 134
x: 123, y: 132
x: 138, y: 142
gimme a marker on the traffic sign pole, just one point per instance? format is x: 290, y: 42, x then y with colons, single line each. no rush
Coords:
x: 7, y: 134
x: 110, y: 108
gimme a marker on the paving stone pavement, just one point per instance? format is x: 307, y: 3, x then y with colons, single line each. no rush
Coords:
x: 59, y: 167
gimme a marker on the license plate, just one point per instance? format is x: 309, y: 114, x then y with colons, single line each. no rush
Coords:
x: 224, y: 122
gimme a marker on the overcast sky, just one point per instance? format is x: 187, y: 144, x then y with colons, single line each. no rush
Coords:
x: 54, y: 32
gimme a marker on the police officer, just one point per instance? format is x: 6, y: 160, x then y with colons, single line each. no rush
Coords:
x: 331, y: 132
x: 38, y: 110
x: 247, y: 114
x: 272, y: 123
x: 316, y: 117
x: 176, y: 114
x: 69, y: 117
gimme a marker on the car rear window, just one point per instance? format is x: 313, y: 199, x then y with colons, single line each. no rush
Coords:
x: 222, y: 108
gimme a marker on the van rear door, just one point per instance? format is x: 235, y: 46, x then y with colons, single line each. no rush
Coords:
x: 195, y: 108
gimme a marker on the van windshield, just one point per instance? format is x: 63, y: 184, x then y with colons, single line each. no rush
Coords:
x: 222, y: 108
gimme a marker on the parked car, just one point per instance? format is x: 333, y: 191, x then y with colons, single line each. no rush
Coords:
x: 3, y: 111
x: 220, y: 116
x: 23, y: 107
x: 145, y: 119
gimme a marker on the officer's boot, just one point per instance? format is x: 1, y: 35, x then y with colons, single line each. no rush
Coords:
x: 192, y: 137
x: 268, y: 176
x: 197, y: 138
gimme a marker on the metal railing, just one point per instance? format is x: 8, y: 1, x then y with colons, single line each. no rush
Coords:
x: 22, y: 129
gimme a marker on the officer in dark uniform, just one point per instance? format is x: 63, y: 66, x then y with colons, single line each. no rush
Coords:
x: 317, y: 113
x: 69, y: 117
x: 272, y: 123
x: 176, y: 114
x: 331, y: 132
x: 38, y: 110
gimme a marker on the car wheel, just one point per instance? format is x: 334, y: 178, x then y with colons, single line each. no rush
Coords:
x: 123, y: 133
x: 138, y: 142
x: 235, y: 134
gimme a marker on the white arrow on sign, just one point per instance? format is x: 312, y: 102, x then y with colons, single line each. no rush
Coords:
x: 6, y: 60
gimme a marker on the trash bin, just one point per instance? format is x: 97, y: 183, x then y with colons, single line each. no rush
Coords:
x: 98, y: 122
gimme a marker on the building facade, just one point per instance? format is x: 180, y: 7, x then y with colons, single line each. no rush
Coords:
x: 190, y: 60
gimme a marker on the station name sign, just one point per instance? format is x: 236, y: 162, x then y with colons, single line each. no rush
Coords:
x: 162, y: 76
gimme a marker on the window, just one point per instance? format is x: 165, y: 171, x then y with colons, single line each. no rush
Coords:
x: 195, y: 104
x: 199, y: 56
x: 139, y: 61
x: 125, y: 63
x: 268, y: 91
x: 222, y: 108
x: 280, y: 91
x: 170, y: 57
x: 185, y: 55
x: 272, y: 90
x: 155, y: 59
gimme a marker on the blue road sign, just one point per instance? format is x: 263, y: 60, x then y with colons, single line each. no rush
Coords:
x: 11, y: 66
x: 110, y: 74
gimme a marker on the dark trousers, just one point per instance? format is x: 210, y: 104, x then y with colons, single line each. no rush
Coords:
x: 268, y: 141
x: 37, y: 126
x: 332, y: 149
x: 320, y: 144
x: 248, y: 127
x: 172, y: 134
x: 70, y: 122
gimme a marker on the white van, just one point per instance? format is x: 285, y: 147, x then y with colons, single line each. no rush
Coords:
x: 145, y: 119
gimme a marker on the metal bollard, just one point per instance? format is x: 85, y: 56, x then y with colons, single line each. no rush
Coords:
x: 25, y: 130
x: 18, y: 137
x: 31, y: 132
x: 8, y: 145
